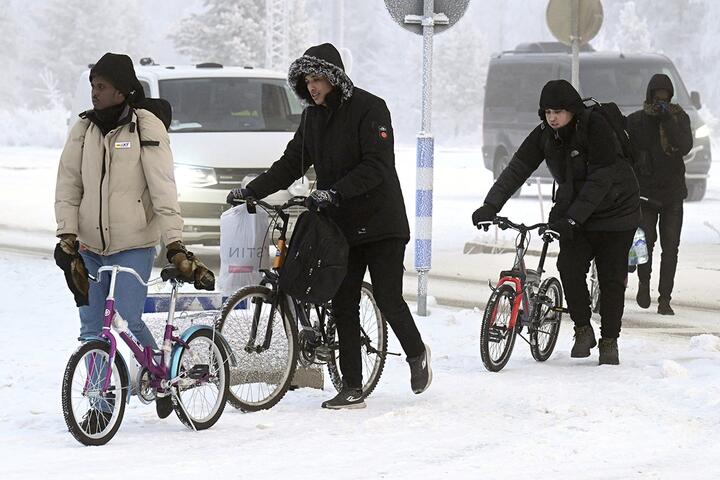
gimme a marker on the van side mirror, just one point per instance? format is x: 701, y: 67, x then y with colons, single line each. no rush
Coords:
x: 695, y: 99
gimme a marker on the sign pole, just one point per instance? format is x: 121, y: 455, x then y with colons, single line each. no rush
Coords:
x: 575, y: 42
x: 425, y: 160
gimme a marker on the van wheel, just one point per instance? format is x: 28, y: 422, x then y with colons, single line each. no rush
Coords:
x: 502, y: 160
x: 696, y: 189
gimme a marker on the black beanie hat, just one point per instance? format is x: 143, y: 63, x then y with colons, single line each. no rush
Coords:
x: 560, y: 95
x: 118, y: 69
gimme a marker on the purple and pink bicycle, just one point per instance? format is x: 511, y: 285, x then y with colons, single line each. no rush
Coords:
x: 191, y: 369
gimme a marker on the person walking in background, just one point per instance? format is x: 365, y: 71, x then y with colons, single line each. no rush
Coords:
x: 115, y: 198
x: 346, y: 133
x: 596, y: 211
x: 661, y: 136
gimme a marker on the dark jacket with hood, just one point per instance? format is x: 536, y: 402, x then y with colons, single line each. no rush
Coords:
x: 661, y: 142
x: 596, y: 187
x: 350, y: 143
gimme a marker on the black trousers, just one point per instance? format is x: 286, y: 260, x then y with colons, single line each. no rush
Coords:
x: 610, y: 251
x: 670, y: 217
x: 384, y: 259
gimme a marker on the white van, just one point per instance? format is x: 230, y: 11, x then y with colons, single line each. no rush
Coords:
x: 229, y: 125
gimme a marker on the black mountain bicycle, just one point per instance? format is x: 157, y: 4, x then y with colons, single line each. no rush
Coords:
x: 260, y: 323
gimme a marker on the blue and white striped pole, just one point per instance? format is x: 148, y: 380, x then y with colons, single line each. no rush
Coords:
x: 425, y: 158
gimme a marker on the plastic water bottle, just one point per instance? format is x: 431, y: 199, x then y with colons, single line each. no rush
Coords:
x: 638, y: 251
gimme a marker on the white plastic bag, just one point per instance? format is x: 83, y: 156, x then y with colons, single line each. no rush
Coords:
x: 243, y: 248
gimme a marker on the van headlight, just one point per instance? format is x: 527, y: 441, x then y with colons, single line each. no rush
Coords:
x: 702, y: 132
x: 300, y: 188
x: 192, y: 176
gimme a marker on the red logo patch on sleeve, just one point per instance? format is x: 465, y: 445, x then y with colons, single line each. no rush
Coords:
x: 383, y: 133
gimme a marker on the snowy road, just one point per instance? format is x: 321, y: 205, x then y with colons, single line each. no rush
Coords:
x: 655, y: 416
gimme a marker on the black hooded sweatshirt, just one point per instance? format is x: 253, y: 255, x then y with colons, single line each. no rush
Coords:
x: 350, y: 143
x: 661, y: 174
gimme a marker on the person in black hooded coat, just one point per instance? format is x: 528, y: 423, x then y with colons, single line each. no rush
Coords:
x: 346, y: 134
x: 662, y: 136
x: 596, y: 211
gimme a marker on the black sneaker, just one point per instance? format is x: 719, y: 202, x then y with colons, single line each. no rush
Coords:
x: 95, y: 421
x: 643, y: 295
x: 420, y: 371
x: 664, y: 308
x: 163, y: 406
x: 609, y: 352
x: 349, y: 398
x: 584, y: 341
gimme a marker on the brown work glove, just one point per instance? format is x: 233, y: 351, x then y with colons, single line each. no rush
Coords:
x: 191, y: 269
x: 68, y: 258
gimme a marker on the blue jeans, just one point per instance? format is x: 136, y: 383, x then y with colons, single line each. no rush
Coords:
x: 129, y: 293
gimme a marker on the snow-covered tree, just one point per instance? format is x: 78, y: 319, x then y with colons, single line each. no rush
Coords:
x: 233, y: 32
x: 633, y: 32
x: 75, y: 33
x: 459, y: 74
x: 9, y: 83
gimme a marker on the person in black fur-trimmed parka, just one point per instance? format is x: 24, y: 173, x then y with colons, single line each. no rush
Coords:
x: 596, y: 211
x: 346, y: 134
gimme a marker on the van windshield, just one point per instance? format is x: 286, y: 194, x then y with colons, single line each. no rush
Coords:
x: 625, y: 83
x: 231, y: 105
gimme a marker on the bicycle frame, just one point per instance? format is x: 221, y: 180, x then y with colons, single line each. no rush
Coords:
x: 519, y: 273
x: 144, y: 355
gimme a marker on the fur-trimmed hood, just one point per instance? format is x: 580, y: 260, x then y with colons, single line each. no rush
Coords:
x: 320, y: 60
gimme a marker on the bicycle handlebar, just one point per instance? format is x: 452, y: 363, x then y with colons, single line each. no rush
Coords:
x: 149, y: 283
x: 504, y: 223
x: 296, y: 201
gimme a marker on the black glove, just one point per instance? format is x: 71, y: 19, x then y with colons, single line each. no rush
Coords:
x: 68, y: 258
x: 322, y: 199
x: 238, y: 195
x: 191, y: 269
x: 662, y: 109
x: 486, y: 213
x: 565, y: 227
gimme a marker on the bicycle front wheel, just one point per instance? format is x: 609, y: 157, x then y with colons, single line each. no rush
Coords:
x: 545, y: 329
x: 496, y: 337
x: 264, y: 359
x: 373, y: 343
x: 200, y: 393
x: 92, y: 413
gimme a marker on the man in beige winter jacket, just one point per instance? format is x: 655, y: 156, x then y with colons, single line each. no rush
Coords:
x: 115, y: 200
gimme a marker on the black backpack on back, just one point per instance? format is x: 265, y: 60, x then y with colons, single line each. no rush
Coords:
x: 316, y: 262
x: 612, y: 114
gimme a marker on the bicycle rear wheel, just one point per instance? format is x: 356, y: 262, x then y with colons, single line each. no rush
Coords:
x: 373, y: 343
x: 92, y: 415
x: 259, y: 377
x: 545, y: 329
x: 200, y: 394
x: 496, y: 337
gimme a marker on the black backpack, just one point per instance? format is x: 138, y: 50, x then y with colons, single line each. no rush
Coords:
x: 612, y: 114
x: 316, y: 262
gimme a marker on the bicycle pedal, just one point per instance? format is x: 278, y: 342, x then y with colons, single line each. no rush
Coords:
x: 323, y: 353
x: 198, y: 372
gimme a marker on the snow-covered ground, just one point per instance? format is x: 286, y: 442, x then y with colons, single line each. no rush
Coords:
x: 654, y: 416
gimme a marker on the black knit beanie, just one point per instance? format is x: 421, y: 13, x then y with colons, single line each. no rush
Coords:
x: 560, y: 95
x: 118, y: 69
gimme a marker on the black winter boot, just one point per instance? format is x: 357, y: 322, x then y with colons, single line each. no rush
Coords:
x: 643, y: 295
x: 584, y: 341
x: 420, y: 371
x: 609, y: 351
x: 664, y: 307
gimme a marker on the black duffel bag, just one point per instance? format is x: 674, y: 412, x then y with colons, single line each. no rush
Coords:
x: 316, y: 262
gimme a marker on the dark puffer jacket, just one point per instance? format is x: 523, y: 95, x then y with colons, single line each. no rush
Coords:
x: 596, y: 186
x: 661, y: 173
x: 350, y: 143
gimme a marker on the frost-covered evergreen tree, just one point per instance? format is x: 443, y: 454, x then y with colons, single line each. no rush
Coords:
x: 9, y: 83
x: 233, y: 32
x: 459, y: 75
x: 75, y: 33
x: 633, y: 33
